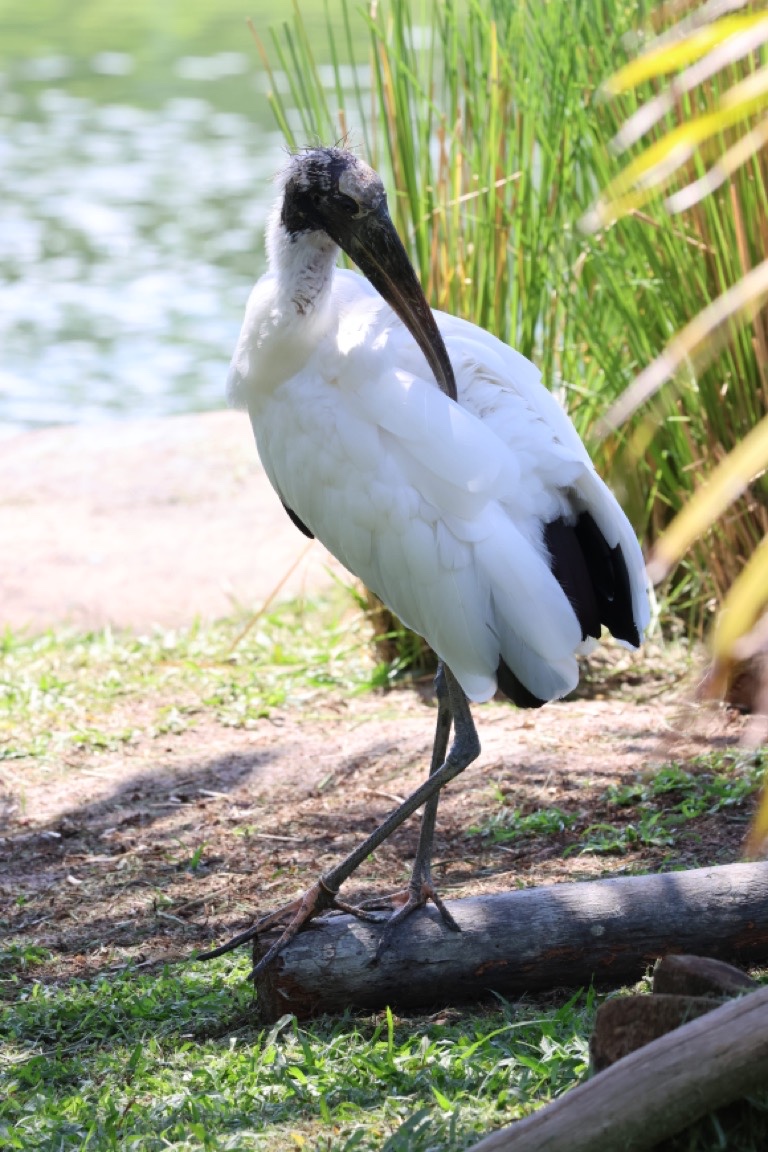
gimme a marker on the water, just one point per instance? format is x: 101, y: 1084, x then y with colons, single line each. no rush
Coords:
x: 134, y: 185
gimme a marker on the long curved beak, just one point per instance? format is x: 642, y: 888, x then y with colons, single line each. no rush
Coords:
x: 373, y: 243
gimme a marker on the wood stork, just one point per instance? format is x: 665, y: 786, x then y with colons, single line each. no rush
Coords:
x: 428, y: 457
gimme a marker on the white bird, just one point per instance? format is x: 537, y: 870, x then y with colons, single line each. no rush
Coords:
x: 428, y: 457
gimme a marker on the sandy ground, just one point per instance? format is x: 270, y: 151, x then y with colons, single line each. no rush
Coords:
x: 143, y: 523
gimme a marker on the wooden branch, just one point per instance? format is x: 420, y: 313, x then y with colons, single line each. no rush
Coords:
x: 529, y: 940
x: 655, y: 1092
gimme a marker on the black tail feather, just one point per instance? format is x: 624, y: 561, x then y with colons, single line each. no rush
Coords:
x: 570, y: 565
x: 610, y: 580
x: 299, y: 523
x: 595, y: 579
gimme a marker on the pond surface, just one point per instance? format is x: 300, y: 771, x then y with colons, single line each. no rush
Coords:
x: 135, y: 178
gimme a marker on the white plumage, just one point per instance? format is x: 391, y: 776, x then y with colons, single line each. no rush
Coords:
x: 428, y: 457
x: 437, y: 507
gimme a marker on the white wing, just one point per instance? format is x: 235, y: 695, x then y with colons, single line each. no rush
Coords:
x: 504, y: 389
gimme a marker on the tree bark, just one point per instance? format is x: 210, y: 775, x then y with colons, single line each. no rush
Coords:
x: 565, y: 935
x: 655, y: 1092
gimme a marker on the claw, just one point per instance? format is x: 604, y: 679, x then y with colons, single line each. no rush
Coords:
x: 298, y: 912
x: 366, y: 911
x: 416, y: 895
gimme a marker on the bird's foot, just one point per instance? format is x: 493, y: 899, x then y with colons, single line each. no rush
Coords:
x: 418, y: 893
x: 295, y: 915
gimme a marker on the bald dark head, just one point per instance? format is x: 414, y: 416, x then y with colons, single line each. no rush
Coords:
x: 332, y: 191
x: 326, y: 187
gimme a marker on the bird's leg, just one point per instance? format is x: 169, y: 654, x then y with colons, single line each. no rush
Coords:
x: 420, y: 888
x: 421, y: 880
x: 322, y: 894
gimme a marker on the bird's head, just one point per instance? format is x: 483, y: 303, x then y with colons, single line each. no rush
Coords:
x: 332, y: 191
x: 325, y: 188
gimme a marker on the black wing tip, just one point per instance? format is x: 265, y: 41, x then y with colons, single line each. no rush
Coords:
x: 571, y: 565
x: 514, y: 689
x: 630, y: 636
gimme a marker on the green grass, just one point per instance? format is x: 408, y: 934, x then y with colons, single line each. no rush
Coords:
x: 657, y: 810
x: 141, y: 1060
x: 512, y: 824
x: 144, y: 1060
x: 654, y: 811
x: 65, y: 689
x: 170, y: 1057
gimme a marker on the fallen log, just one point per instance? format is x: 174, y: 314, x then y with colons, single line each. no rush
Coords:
x: 656, y: 1091
x: 565, y: 935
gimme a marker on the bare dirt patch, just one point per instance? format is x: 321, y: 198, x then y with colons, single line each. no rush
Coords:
x: 178, y: 840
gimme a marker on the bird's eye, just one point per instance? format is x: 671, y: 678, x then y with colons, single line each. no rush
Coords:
x: 348, y: 205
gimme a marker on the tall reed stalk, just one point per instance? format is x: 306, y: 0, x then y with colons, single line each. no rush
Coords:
x: 647, y: 276
x: 478, y: 116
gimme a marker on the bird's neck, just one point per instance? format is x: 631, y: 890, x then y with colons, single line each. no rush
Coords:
x: 303, y: 267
